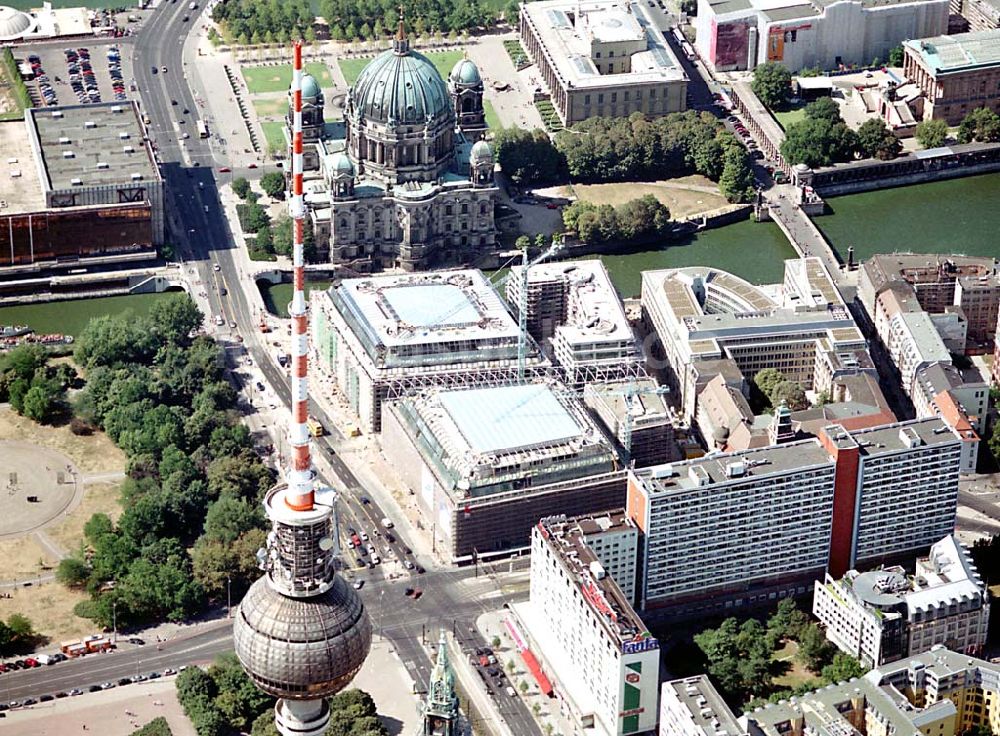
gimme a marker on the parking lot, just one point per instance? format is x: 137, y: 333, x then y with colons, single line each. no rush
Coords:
x: 86, y: 71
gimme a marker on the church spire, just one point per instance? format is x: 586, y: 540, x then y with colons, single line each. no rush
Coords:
x: 401, y: 44
x: 440, y: 706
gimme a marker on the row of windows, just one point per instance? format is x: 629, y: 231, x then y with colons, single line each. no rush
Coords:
x: 614, y: 95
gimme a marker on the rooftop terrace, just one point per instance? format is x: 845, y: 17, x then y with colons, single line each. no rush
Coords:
x: 20, y: 188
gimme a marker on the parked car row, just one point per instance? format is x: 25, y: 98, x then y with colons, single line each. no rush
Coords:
x: 115, y: 70
x: 44, y: 85
x: 91, y: 689
x: 29, y: 662
x: 81, y: 75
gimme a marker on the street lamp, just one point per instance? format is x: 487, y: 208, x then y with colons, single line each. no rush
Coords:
x: 229, y: 600
x: 114, y: 622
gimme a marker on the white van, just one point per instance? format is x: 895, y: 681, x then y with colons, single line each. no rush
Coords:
x: 387, y: 523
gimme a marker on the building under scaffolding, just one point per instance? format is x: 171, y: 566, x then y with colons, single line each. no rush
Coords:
x: 486, y: 463
x: 637, y: 417
x: 388, y: 336
x: 574, y: 308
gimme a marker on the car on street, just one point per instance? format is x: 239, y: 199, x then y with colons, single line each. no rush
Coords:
x: 364, y: 536
x: 387, y: 523
x: 252, y: 166
x: 76, y: 691
x: 375, y: 559
x: 169, y: 671
x: 223, y: 291
x: 154, y: 675
x: 94, y: 689
x: 365, y: 500
x: 153, y: 69
x: 359, y: 584
x: 139, y: 678
x: 163, y: 69
x: 62, y: 694
x: 232, y: 324
x: 407, y: 564
x: 225, y: 170
x: 108, y: 685
x: 136, y: 640
x: 46, y: 698
x: 124, y: 681
x: 216, y: 267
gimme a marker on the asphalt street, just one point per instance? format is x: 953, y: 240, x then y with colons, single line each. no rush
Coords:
x: 199, y: 231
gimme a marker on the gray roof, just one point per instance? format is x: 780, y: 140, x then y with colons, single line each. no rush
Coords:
x: 91, y: 145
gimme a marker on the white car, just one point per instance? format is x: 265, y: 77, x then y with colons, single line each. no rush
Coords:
x: 372, y: 550
x: 387, y: 523
x: 376, y: 559
x: 364, y: 536
x: 407, y: 564
x: 216, y: 267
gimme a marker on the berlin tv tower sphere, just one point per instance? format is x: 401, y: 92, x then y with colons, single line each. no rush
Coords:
x: 302, y: 648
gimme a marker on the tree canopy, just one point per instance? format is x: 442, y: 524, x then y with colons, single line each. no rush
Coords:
x: 638, y: 219
x: 982, y: 125
x: 190, y: 462
x: 34, y: 388
x: 931, y: 133
x: 875, y: 140
x: 273, y: 184
x: 527, y: 156
x: 772, y: 83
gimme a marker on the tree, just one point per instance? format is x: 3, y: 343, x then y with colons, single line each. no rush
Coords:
x: 527, y: 156
x: 875, y: 140
x: 273, y: 184
x: 841, y: 668
x: 791, y: 394
x: 815, y: 652
x: 175, y: 318
x: 767, y: 378
x: 823, y: 109
x: 241, y: 187
x: 523, y: 242
x: 932, y: 133
x: 818, y: 142
x: 981, y: 125
x: 73, y: 572
x: 737, y: 180
x: 40, y: 401
x: 896, y: 56
x: 772, y: 83
x: 256, y: 218
x: 738, y: 655
x: 787, y: 622
x: 264, y: 725
x: 230, y: 517
x: 156, y: 727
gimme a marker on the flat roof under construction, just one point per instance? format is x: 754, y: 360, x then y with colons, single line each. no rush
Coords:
x: 510, y: 417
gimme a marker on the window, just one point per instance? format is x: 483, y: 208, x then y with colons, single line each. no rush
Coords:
x: 586, y: 99
x: 626, y: 97
x: 449, y: 209
x: 611, y: 54
x: 600, y: 98
x: 611, y: 67
x: 597, y: 55
x: 614, y: 97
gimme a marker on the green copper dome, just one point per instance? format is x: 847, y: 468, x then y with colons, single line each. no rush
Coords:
x: 465, y: 72
x: 400, y: 89
x: 310, y: 87
x: 481, y: 152
x: 342, y: 164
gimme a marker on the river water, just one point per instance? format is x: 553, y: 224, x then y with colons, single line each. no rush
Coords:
x: 955, y: 216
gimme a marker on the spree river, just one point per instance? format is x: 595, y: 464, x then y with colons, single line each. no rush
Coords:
x: 954, y: 216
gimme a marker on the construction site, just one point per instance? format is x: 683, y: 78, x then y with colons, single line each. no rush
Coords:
x: 496, y: 414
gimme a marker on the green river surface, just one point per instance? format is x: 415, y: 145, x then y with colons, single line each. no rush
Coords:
x: 69, y: 317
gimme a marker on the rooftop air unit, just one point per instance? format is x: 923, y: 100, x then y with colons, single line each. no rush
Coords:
x: 64, y: 140
x: 102, y: 165
x: 68, y: 154
x: 116, y: 108
x: 128, y: 149
x: 76, y: 182
x: 90, y: 124
x: 736, y: 469
x: 123, y: 135
x: 57, y: 113
x: 136, y: 177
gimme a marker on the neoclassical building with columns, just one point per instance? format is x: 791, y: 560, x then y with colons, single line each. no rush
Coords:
x: 405, y: 179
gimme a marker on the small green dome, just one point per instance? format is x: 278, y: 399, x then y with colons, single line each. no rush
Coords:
x: 342, y: 164
x: 400, y: 88
x: 481, y: 152
x: 465, y: 72
x: 310, y: 87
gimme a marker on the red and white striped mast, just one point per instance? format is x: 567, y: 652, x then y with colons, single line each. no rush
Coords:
x: 300, y: 476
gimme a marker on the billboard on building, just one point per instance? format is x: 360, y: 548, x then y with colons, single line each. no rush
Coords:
x: 731, y: 44
x: 778, y: 36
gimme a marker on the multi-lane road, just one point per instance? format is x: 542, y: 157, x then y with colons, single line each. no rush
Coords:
x: 197, y: 227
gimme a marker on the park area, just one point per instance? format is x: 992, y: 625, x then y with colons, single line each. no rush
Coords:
x: 30, y: 551
x: 684, y: 196
x: 278, y: 78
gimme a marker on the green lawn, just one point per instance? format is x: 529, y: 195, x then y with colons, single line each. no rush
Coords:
x: 787, y: 117
x: 270, y: 107
x: 491, y: 116
x: 70, y: 317
x: 274, y: 134
x: 277, y: 296
x: 443, y: 60
x: 279, y: 78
